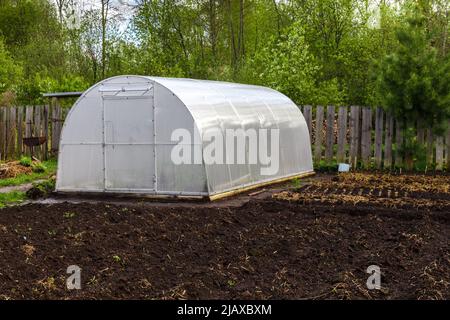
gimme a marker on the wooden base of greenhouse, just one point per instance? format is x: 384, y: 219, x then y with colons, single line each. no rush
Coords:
x: 258, y: 185
x: 163, y: 197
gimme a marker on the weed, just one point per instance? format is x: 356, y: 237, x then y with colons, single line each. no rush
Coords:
x: 50, y: 166
x: 38, y: 167
x: 11, y: 197
x: 26, y: 161
x: 69, y: 214
x: 41, y: 189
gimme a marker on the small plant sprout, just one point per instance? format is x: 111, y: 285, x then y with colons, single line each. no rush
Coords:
x: 69, y: 214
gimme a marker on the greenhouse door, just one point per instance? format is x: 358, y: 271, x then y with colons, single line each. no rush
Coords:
x: 129, y: 144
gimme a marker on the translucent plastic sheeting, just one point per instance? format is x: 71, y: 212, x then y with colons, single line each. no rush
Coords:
x: 118, y: 137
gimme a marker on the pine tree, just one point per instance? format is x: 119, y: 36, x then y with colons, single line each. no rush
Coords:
x: 414, y: 82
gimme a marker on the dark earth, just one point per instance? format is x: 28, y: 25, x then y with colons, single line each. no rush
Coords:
x: 307, y: 240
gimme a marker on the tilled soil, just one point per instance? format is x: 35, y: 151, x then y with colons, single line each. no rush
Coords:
x: 310, y: 242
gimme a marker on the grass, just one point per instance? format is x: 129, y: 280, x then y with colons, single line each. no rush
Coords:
x: 50, y: 169
x: 11, y: 197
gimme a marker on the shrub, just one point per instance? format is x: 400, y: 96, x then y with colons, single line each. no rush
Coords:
x: 26, y: 161
x: 41, y: 189
x: 39, y: 167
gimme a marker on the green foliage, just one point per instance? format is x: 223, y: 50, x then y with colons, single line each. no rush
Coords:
x: 11, y: 198
x: 41, y: 189
x: 414, y: 81
x: 39, y: 167
x: 326, y: 166
x: 414, y: 84
x: 26, y: 178
x: 26, y: 161
x: 314, y: 51
x: 287, y: 65
x: 10, y: 72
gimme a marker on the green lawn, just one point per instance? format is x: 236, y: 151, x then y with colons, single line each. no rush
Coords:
x: 26, y: 178
x: 19, y: 196
x: 11, y: 197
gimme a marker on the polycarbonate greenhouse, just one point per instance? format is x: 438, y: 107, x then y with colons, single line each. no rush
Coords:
x: 180, y: 137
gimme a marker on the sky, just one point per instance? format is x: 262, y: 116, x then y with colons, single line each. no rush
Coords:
x: 125, y: 7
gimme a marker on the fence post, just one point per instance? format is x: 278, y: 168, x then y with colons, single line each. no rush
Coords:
x: 342, y: 134
x: 379, y: 137
x: 388, y: 141
x: 28, y: 125
x: 430, y: 147
x: 46, y: 107
x: 19, y: 131
x: 448, y: 147
x: 56, y: 124
x: 420, y: 133
x: 318, y: 134
x: 2, y: 132
x: 354, y: 135
x: 37, y: 130
x: 398, y: 143
x: 366, y: 136
x: 439, y: 153
x: 330, y: 134
x: 307, y: 113
x: 12, y: 132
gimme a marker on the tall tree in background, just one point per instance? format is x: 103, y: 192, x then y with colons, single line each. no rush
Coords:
x: 105, y: 6
x: 414, y: 81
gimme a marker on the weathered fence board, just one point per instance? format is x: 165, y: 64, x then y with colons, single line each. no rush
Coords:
x: 11, y: 149
x: 330, y: 134
x: 354, y: 135
x: 57, y: 118
x: 448, y: 147
x: 379, y: 117
x: 307, y: 113
x: 439, y: 153
x: 430, y: 147
x: 398, y: 144
x: 363, y: 135
x: 318, y: 134
x: 37, y: 130
x: 19, y: 150
x: 388, y: 138
x: 366, y: 136
x: 342, y: 134
x: 28, y: 126
x: 46, y: 130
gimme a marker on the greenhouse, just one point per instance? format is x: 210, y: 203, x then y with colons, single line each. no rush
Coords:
x: 180, y: 137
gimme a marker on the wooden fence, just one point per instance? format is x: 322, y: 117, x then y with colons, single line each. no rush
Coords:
x: 17, y: 123
x: 367, y: 137
x: 361, y: 136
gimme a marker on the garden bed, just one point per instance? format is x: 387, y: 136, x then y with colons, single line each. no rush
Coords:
x: 313, y: 241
